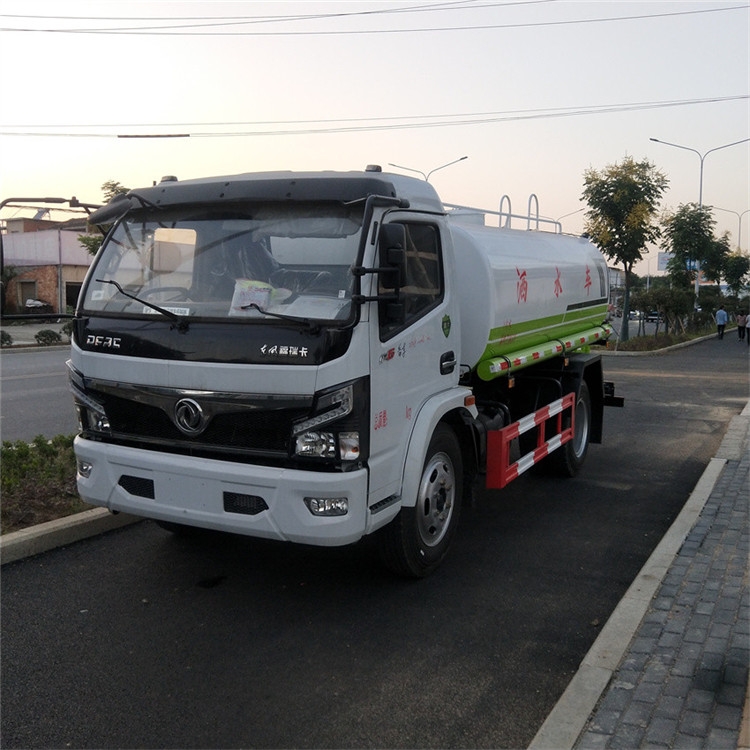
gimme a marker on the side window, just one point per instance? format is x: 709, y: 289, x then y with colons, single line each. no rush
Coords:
x: 423, y: 285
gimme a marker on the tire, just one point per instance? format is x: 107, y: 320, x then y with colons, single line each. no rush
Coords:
x: 415, y: 543
x: 567, y: 460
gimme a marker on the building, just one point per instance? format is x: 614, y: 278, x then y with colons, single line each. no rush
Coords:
x: 43, y: 260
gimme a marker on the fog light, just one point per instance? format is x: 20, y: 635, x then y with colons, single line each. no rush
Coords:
x: 84, y: 468
x: 327, y: 506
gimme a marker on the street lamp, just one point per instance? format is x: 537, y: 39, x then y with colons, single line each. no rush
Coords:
x: 739, y: 225
x: 701, y: 157
x: 432, y: 171
x: 700, y: 187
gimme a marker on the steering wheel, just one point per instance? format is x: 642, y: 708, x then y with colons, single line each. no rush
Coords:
x: 318, y: 279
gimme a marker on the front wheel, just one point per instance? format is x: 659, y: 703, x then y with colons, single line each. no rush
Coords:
x: 417, y: 540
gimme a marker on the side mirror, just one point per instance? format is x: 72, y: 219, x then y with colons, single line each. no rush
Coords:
x: 392, y: 246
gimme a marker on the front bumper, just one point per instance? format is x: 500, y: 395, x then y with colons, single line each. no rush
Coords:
x: 194, y: 491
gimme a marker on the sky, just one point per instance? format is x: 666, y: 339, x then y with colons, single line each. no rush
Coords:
x: 532, y: 92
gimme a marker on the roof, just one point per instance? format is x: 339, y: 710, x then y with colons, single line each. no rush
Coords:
x: 340, y: 187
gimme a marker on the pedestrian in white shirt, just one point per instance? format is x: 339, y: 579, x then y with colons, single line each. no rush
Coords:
x: 721, y: 321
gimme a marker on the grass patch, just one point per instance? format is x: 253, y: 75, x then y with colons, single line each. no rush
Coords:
x: 653, y: 343
x: 38, y: 482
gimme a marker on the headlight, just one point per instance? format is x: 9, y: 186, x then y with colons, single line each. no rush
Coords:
x: 333, y: 431
x: 343, y: 445
x: 91, y: 414
x: 316, y: 444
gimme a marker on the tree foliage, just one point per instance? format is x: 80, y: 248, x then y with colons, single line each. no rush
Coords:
x: 689, y: 236
x: 622, y: 210
x: 92, y: 242
x: 110, y: 189
x: 737, y: 272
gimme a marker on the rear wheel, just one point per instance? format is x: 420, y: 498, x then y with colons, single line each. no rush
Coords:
x: 568, y: 459
x: 417, y: 540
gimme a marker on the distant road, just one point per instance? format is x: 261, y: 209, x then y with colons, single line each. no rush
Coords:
x: 34, y: 395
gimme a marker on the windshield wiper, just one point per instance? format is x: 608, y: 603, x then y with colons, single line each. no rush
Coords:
x: 311, y: 325
x: 180, y: 321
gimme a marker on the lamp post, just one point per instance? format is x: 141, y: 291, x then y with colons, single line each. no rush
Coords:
x: 702, y: 157
x: 739, y: 218
x: 565, y: 216
x: 432, y: 171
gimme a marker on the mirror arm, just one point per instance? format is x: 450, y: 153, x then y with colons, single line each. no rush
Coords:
x: 360, y: 271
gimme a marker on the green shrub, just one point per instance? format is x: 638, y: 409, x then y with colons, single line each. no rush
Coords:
x: 48, y: 337
x: 67, y: 329
x: 5, y: 339
x: 37, y: 482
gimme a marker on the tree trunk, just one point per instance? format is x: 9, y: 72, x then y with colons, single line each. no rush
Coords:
x: 624, y: 329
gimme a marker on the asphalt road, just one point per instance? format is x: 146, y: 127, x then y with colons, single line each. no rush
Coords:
x: 141, y: 639
x: 34, y: 396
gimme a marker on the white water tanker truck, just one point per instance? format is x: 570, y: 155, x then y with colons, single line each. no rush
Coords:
x: 318, y: 356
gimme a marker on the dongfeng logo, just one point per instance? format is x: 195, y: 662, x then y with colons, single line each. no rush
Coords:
x: 189, y: 417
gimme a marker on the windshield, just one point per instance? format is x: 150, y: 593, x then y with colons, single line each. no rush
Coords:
x: 261, y: 261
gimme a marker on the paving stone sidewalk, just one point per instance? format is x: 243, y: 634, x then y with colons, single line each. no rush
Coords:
x: 683, y: 681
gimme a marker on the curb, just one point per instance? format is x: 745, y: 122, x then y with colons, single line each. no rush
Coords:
x: 46, y: 536
x: 18, y: 348
x: 570, y: 714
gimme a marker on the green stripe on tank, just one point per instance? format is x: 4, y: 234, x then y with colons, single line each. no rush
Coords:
x: 534, y: 332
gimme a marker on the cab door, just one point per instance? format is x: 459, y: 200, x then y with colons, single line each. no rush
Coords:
x: 413, y: 357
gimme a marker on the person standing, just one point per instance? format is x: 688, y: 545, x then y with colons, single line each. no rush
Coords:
x: 741, y: 324
x: 721, y: 321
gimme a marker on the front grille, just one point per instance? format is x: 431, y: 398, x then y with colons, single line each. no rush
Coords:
x: 259, y: 430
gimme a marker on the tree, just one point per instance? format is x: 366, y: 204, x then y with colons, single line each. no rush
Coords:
x: 111, y: 188
x: 92, y: 242
x: 671, y: 303
x: 736, y: 272
x: 623, y: 200
x: 689, y: 237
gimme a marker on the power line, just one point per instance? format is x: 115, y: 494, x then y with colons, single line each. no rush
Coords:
x: 165, y: 30
x: 379, y: 123
x: 548, y: 111
x: 452, y: 5
x: 431, y: 8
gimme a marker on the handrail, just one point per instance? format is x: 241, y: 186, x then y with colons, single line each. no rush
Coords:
x: 528, y: 211
x: 506, y: 216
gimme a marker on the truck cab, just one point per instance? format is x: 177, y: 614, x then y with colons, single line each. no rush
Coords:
x: 253, y: 354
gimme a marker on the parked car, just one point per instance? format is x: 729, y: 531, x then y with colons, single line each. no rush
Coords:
x: 655, y: 317
x: 37, y: 307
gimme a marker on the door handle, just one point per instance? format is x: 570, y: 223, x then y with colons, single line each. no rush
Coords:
x: 447, y: 363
